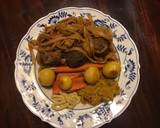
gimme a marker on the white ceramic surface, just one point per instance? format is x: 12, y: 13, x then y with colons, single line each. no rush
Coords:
x: 39, y: 104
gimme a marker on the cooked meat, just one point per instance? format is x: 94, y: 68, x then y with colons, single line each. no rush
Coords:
x: 100, y: 45
x: 49, y: 59
x: 75, y: 58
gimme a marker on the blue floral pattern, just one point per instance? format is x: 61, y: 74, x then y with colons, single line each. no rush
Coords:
x: 81, y: 120
x: 54, y: 19
x: 40, y: 105
x: 27, y: 61
x: 121, y: 37
x: 103, y: 112
x: 28, y: 86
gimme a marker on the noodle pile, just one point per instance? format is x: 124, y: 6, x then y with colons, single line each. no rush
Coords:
x: 65, y: 100
x: 73, y: 34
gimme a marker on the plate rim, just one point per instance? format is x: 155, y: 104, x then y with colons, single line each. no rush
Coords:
x: 79, y: 8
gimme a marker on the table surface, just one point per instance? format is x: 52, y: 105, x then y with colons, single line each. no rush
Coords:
x: 140, y: 17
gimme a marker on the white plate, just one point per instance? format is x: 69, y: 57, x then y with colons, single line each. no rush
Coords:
x: 39, y: 104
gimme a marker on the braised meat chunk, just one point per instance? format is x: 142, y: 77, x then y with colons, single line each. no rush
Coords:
x: 101, y: 45
x: 49, y: 59
x: 75, y: 58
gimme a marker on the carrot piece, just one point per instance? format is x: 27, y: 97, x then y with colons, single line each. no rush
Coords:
x: 63, y: 69
x: 74, y: 75
x: 77, y: 82
x: 56, y: 89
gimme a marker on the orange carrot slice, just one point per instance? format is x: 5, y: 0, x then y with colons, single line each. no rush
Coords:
x: 77, y: 82
x: 67, y: 69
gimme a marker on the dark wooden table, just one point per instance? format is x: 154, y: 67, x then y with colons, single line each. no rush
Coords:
x: 140, y: 17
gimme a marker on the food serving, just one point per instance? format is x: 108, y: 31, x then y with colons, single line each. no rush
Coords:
x: 78, y: 61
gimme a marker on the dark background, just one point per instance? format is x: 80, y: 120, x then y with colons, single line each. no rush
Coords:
x: 140, y: 17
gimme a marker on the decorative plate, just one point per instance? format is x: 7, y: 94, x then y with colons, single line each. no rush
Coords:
x: 35, y: 98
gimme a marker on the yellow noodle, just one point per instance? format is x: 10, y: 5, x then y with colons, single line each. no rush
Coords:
x: 65, y: 100
x: 67, y: 32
